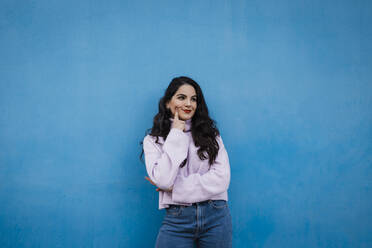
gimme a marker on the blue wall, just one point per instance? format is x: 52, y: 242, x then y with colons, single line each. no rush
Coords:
x: 288, y: 82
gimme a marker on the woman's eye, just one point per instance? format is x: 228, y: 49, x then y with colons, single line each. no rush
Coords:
x: 193, y: 99
x: 181, y: 97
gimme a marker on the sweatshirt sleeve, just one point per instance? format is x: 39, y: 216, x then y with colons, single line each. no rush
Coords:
x: 162, y: 165
x: 196, y: 187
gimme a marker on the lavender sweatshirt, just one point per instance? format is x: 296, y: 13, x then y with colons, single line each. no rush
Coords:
x: 194, y: 182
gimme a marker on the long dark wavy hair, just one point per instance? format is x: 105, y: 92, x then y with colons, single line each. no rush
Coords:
x: 203, y: 129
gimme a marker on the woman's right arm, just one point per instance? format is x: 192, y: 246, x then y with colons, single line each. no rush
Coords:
x: 162, y: 163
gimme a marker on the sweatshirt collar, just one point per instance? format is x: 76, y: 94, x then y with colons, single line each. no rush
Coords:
x: 187, y: 124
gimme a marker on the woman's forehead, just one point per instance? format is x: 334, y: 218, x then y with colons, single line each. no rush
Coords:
x: 186, y: 89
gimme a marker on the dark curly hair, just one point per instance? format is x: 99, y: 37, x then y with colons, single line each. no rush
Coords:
x: 203, y: 128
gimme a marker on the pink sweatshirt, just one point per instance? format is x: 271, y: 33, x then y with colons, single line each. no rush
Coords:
x: 194, y: 182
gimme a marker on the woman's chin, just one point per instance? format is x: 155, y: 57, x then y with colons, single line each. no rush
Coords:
x: 185, y: 118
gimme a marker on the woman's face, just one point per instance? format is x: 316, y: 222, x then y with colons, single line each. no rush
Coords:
x: 184, y: 100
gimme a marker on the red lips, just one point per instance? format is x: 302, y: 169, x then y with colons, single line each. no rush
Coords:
x: 187, y: 111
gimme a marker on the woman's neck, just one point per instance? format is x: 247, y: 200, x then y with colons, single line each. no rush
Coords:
x: 188, y: 123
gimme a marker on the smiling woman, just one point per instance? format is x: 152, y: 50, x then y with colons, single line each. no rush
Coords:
x: 186, y: 160
x: 185, y: 100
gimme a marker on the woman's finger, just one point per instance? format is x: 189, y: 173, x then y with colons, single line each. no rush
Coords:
x: 176, y: 115
x: 148, y: 179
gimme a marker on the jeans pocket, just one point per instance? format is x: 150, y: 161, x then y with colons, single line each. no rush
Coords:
x: 174, y: 210
x: 219, y: 204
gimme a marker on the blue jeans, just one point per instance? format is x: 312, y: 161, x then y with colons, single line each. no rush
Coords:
x: 204, y: 224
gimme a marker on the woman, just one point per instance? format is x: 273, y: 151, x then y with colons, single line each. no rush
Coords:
x: 187, y: 161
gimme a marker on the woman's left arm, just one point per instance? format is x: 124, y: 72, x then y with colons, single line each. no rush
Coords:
x: 196, y: 187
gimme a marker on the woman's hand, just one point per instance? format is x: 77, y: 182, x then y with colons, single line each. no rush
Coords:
x: 177, y: 123
x: 157, y: 189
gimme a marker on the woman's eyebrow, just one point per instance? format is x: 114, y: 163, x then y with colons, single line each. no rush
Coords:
x: 184, y: 95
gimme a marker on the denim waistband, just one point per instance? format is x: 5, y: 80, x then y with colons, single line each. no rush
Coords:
x: 201, y: 203
x: 196, y: 203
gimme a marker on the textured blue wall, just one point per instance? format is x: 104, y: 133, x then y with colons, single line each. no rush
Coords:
x: 289, y: 83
